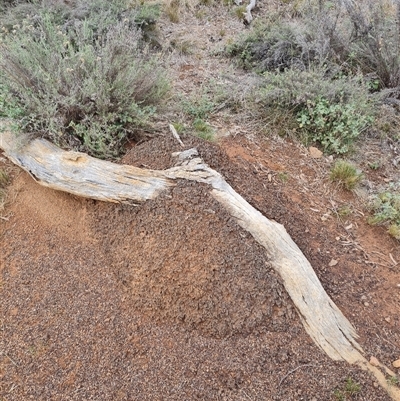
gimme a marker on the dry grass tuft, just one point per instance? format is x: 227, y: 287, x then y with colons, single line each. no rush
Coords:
x: 346, y: 174
x: 4, y: 180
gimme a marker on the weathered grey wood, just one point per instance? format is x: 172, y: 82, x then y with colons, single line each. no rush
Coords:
x: 322, y: 319
x: 248, y: 16
x: 175, y: 134
x: 83, y: 175
x: 80, y: 174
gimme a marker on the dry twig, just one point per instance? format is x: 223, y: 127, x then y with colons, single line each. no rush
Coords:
x: 292, y: 371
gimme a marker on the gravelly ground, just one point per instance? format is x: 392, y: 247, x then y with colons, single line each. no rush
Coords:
x: 171, y: 300
x: 166, y: 301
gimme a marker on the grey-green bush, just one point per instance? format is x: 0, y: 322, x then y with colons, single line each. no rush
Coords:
x: 280, y: 41
x: 85, y: 83
x: 356, y: 36
x: 374, y: 45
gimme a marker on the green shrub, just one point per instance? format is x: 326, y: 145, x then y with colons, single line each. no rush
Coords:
x: 199, y: 108
x: 203, y: 129
x: 345, y: 174
x: 85, y: 83
x: 386, y: 208
x: 200, y: 105
x: 351, y: 388
x: 330, y: 109
x: 334, y: 125
x: 147, y: 14
x: 9, y: 106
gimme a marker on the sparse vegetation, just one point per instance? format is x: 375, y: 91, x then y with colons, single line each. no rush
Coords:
x: 339, y: 395
x: 240, y: 11
x: 306, y: 52
x: 332, y: 110
x: 183, y: 47
x: 344, y: 211
x: 386, y: 210
x: 198, y: 108
x: 351, y: 388
x: 393, y: 381
x: 180, y: 127
x: 9, y: 107
x: 346, y: 174
x: 283, y: 176
x: 172, y: 9
x: 4, y: 179
x: 203, y: 129
x: 374, y: 165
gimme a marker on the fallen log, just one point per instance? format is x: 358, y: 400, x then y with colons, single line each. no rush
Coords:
x: 82, y: 175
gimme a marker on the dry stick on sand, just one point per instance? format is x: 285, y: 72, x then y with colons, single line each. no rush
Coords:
x: 247, y: 15
x: 175, y: 134
x: 82, y: 175
x: 292, y: 371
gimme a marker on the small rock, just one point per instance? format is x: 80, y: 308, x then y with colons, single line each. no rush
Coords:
x: 376, y: 385
x: 387, y: 319
x: 326, y: 216
x: 373, y: 361
x: 333, y: 262
x: 363, y: 297
x: 396, y: 364
x: 315, y: 153
x: 366, y: 304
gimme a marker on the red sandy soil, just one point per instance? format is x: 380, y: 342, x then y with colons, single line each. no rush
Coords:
x: 171, y: 300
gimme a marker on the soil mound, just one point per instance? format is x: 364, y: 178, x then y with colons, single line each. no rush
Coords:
x: 166, y: 300
x: 186, y: 261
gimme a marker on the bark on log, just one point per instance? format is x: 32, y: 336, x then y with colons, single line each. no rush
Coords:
x: 82, y: 175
